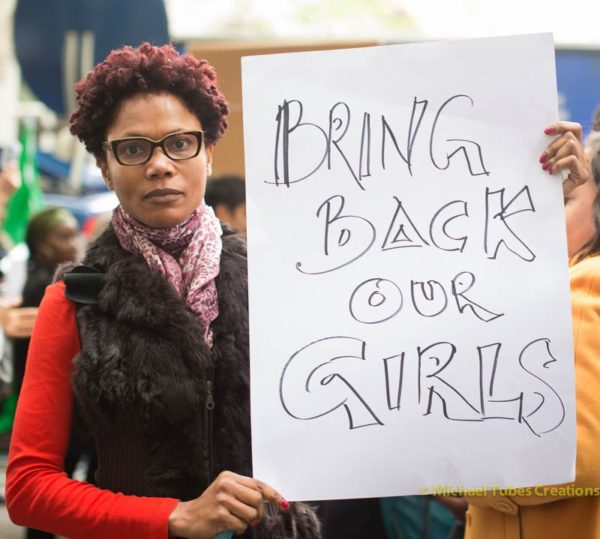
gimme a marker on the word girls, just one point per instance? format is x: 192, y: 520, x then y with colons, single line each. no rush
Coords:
x: 327, y: 377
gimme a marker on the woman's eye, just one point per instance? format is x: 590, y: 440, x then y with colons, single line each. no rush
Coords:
x: 132, y: 148
x: 180, y: 143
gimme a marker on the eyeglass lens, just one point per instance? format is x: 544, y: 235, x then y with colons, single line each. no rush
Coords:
x: 137, y: 150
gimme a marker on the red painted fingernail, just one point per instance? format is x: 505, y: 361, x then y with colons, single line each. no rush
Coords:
x: 549, y: 130
x: 284, y: 504
x: 543, y: 157
x: 545, y: 166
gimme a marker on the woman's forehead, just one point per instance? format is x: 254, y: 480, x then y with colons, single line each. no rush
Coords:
x: 152, y: 115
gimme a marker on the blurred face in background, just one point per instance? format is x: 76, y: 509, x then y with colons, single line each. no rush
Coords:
x: 62, y: 243
x: 235, y: 218
x: 239, y: 218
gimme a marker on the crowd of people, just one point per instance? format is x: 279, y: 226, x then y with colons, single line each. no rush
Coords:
x: 139, y: 359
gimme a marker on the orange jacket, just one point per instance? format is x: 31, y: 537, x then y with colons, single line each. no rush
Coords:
x: 565, y: 515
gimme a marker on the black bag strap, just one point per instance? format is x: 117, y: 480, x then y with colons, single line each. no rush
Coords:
x: 84, y: 284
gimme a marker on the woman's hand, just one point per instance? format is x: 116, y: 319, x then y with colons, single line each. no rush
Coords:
x: 565, y: 153
x: 231, y: 502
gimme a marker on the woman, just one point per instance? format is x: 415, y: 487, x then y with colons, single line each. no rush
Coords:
x: 566, y: 514
x: 161, y: 370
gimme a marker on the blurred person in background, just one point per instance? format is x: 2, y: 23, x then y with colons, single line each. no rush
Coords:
x: 579, y: 202
x: 227, y: 197
x: 52, y: 238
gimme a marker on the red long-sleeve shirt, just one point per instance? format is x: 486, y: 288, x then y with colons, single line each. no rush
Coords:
x: 38, y: 492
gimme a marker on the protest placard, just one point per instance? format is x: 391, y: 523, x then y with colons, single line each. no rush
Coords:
x: 409, y: 301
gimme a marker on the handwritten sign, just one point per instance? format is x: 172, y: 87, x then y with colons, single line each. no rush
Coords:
x: 409, y: 298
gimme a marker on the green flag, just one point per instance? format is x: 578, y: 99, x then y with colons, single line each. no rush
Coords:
x: 28, y: 198
x: 7, y: 412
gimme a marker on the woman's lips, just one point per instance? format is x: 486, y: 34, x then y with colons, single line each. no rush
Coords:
x: 163, y: 195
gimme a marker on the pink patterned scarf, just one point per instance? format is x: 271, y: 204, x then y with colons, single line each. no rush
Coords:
x: 188, y: 255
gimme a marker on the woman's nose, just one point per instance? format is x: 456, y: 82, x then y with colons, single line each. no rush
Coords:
x: 159, y: 165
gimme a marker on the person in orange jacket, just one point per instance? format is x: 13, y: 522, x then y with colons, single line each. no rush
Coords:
x: 572, y: 510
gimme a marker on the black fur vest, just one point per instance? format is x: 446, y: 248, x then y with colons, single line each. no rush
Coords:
x: 167, y: 413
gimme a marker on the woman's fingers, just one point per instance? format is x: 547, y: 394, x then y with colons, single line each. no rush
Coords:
x: 268, y: 493
x: 245, y: 503
x: 231, y: 502
x: 558, y: 128
x: 237, y: 525
x: 244, y: 497
x: 248, y: 514
x: 565, y: 153
x: 565, y: 144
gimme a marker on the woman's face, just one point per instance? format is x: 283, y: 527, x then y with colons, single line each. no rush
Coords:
x: 579, y: 215
x: 162, y: 192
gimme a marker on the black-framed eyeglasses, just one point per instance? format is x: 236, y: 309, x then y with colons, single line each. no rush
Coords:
x: 134, y: 151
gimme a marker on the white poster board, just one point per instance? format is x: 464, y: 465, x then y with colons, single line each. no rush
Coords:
x: 409, y: 300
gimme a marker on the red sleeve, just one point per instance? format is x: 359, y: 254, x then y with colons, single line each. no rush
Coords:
x: 38, y: 492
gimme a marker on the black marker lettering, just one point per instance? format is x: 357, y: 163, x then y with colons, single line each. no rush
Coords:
x: 285, y: 128
x: 312, y: 384
x: 469, y: 149
x: 461, y: 284
x: 346, y: 237
x: 442, y: 218
x: 402, y: 232
x: 497, y: 230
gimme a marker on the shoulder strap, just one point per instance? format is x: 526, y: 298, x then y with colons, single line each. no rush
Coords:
x: 84, y: 284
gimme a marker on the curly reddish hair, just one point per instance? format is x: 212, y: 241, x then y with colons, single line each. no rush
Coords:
x: 146, y: 69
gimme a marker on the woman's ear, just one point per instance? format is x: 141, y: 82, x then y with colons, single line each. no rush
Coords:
x: 103, y: 166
